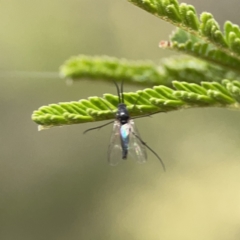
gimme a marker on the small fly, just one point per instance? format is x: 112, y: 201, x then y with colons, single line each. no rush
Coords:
x: 125, y: 139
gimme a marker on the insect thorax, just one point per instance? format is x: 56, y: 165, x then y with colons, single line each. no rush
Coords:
x: 122, y: 114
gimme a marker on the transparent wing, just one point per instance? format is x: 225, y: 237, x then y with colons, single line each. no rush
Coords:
x: 114, y: 148
x: 136, y: 149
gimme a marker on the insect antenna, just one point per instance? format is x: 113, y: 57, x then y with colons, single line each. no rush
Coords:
x: 161, y: 161
x: 118, y: 91
x: 122, y: 92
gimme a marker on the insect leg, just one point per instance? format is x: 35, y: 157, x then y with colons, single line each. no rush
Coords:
x: 99, y: 127
x: 143, y: 143
x: 147, y: 115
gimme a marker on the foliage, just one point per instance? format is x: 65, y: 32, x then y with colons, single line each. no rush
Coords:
x: 144, y: 73
x: 206, y: 29
x: 147, y: 101
x: 214, y: 55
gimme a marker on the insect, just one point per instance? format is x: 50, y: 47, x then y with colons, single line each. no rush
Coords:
x: 125, y: 139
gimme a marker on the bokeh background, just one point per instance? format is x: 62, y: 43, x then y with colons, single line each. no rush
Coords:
x: 56, y: 184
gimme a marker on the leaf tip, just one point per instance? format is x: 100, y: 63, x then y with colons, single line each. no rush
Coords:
x: 42, y: 127
x: 165, y: 44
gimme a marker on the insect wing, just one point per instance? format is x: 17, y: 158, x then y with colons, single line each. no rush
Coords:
x: 114, y: 148
x: 136, y: 148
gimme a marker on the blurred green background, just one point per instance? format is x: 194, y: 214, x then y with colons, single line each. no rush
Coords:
x: 56, y: 184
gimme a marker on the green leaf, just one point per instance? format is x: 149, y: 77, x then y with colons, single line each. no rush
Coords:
x: 206, y: 28
x: 189, y: 44
x: 147, y: 101
x: 145, y: 73
x: 108, y: 68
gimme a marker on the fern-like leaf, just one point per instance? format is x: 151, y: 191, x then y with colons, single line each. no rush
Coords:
x: 150, y: 100
x: 206, y: 28
x: 186, y: 43
x: 108, y: 68
x: 144, y: 73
